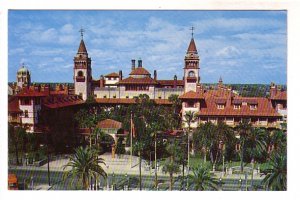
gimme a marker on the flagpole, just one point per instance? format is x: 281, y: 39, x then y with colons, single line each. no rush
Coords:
x: 131, y: 139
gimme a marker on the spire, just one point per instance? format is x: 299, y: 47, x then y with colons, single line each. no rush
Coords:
x: 220, y: 80
x: 192, y: 47
x: 82, y: 48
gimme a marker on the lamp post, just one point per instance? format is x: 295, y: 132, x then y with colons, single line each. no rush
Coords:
x: 240, y: 182
x: 48, y: 160
x: 155, y: 162
x: 220, y: 184
x: 107, y: 181
x: 126, y: 179
x: 113, y: 181
x: 188, y: 162
x: 31, y: 182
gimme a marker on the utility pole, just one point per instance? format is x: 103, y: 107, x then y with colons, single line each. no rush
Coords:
x: 188, y: 163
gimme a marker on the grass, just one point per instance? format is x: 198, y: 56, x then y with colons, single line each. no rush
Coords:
x: 197, y: 160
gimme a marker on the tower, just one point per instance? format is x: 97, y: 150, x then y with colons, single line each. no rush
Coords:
x: 191, y: 67
x: 23, y: 77
x: 82, y: 71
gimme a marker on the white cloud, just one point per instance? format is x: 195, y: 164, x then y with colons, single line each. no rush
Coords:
x: 16, y: 51
x: 229, y: 51
x: 67, y: 28
x: 58, y: 59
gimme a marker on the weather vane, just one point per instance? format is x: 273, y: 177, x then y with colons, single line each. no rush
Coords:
x: 81, y: 32
x: 193, y: 28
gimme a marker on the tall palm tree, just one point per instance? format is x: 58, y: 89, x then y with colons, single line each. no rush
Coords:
x: 171, y: 166
x: 244, y: 129
x: 84, y: 164
x: 276, y: 178
x: 202, y: 180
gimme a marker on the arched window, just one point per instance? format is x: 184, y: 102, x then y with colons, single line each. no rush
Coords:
x: 80, y: 73
x: 191, y: 74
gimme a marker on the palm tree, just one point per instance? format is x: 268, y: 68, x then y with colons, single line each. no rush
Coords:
x: 16, y: 138
x: 202, y: 180
x: 277, y: 141
x: 170, y: 165
x: 84, y: 164
x: 276, y: 178
x: 244, y: 129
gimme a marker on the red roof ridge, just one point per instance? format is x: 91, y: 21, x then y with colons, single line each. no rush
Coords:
x: 191, y: 95
x: 113, y: 74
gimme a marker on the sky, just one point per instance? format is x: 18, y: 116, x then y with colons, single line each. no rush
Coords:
x: 240, y: 46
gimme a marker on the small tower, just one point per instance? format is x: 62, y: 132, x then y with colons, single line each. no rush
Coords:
x: 23, y: 77
x: 191, y: 68
x: 82, y: 71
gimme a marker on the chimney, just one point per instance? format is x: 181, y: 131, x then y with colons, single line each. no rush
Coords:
x: 155, y: 75
x: 273, y: 90
x: 132, y: 64
x: 175, y: 81
x: 47, y: 89
x: 102, y: 82
x: 140, y: 63
x: 120, y: 75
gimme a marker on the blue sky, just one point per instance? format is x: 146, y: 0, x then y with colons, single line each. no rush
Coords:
x: 240, y: 46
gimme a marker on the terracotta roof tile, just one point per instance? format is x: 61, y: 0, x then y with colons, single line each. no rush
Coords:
x: 144, y: 81
x: 281, y: 95
x: 113, y: 74
x: 109, y: 123
x: 82, y: 48
x: 129, y: 101
x: 139, y: 71
x: 264, y: 108
x: 60, y: 101
x: 27, y: 92
x: 192, y: 46
x: 191, y: 95
x: 170, y: 82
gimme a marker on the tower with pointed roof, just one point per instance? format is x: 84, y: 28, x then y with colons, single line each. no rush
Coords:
x: 191, y: 67
x: 23, y: 77
x: 82, y: 71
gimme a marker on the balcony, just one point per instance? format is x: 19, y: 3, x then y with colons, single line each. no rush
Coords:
x: 191, y: 79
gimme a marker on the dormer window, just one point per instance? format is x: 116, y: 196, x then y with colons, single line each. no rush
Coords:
x: 253, y: 107
x: 220, y: 106
x: 190, y: 104
x: 237, y: 106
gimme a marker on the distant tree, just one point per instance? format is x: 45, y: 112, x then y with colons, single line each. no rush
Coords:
x: 16, y: 137
x: 171, y: 166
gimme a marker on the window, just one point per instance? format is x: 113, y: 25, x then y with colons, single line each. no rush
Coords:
x: 190, y: 104
x: 114, y: 96
x: 159, y: 97
x: 25, y: 101
x: 26, y: 113
x: 80, y: 73
x: 104, y: 96
x: 253, y: 106
x: 191, y: 74
x: 220, y: 106
x: 127, y: 97
x: 236, y: 106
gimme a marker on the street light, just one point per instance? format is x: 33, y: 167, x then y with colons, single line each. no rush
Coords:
x: 220, y: 184
x: 48, y: 160
x: 113, y: 181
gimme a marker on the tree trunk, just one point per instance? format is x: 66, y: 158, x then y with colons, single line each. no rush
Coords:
x: 85, y: 182
x: 171, y: 181
x: 17, y: 153
x: 242, y: 158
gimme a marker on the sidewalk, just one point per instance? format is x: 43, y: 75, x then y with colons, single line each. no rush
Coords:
x: 123, y: 165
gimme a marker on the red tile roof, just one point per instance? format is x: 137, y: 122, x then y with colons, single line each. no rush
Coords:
x: 192, y: 46
x: 128, y: 101
x: 170, y: 82
x: 109, y: 123
x: 140, y: 81
x: 13, y: 105
x: 264, y: 108
x: 82, y: 48
x: 191, y: 95
x: 281, y: 95
x: 60, y: 101
x: 113, y: 74
x: 28, y: 92
x: 139, y: 71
